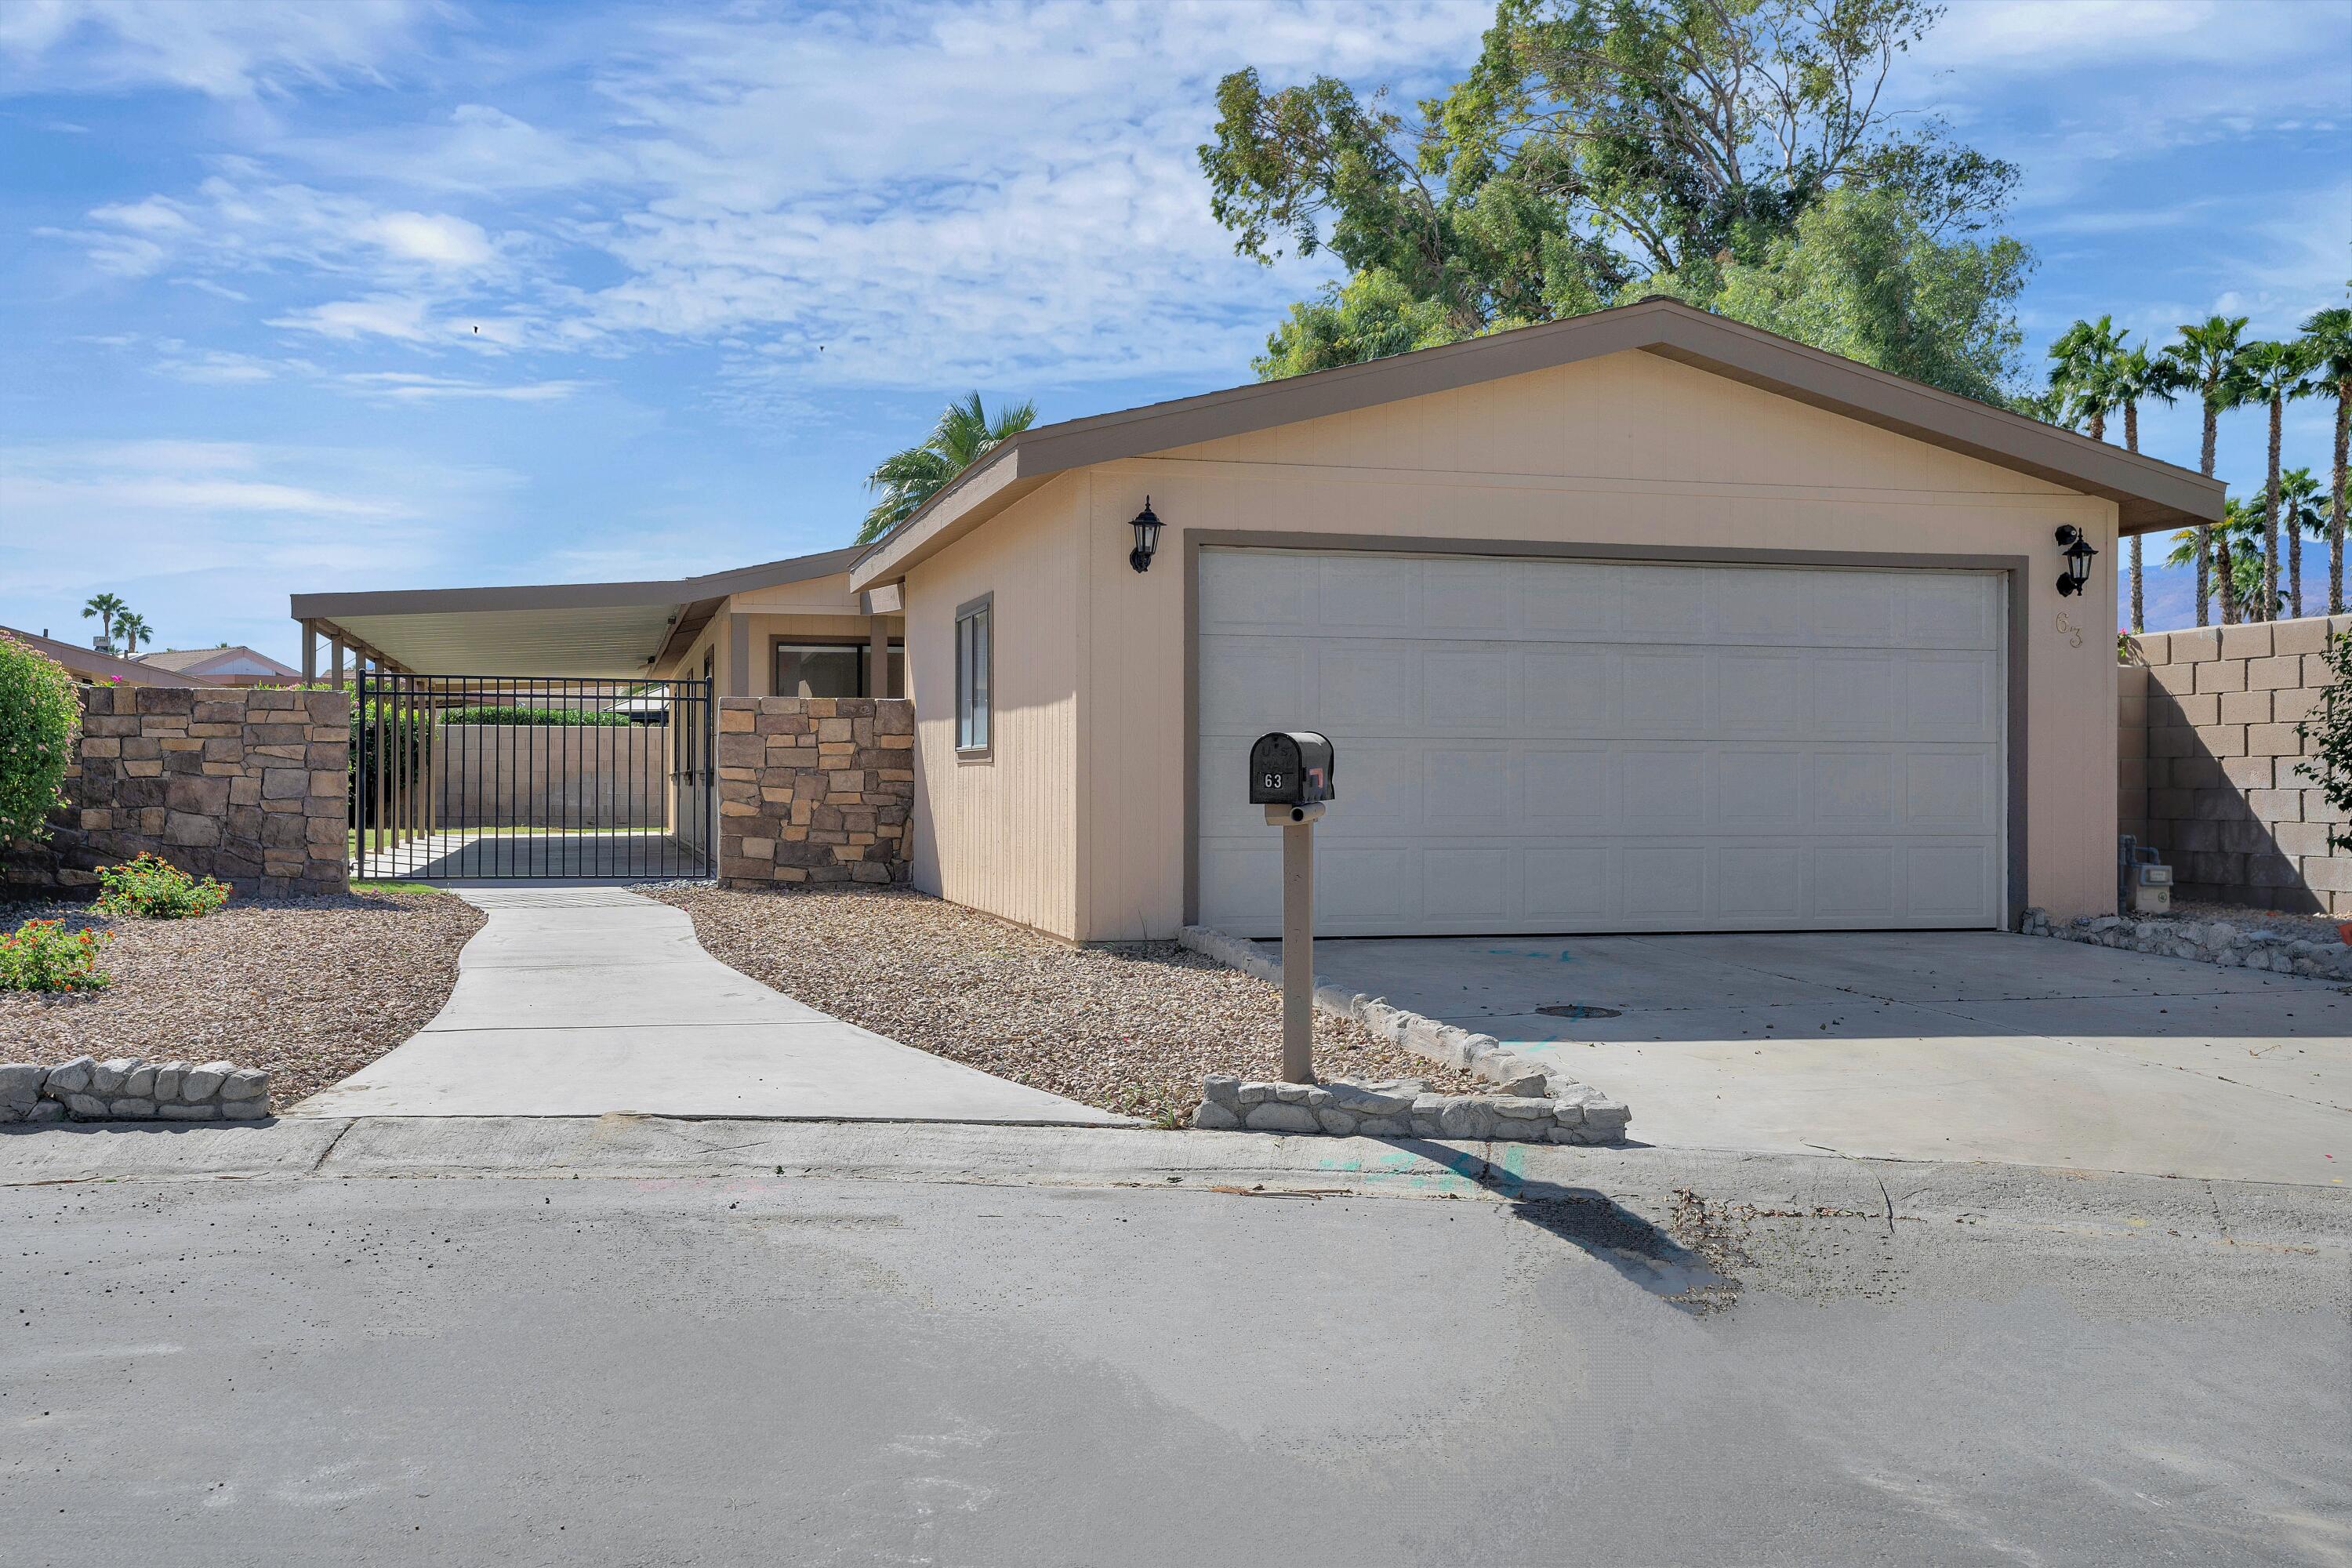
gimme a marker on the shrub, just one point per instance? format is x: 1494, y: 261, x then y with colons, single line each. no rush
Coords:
x: 558, y: 716
x: 43, y: 955
x: 153, y: 888
x: 2328, y: 734
x: 40, y: 714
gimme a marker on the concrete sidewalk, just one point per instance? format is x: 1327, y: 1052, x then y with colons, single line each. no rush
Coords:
x: 588, y: 1001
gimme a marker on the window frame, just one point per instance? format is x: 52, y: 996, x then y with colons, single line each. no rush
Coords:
x: 982, y: 706
x: 863, y: 645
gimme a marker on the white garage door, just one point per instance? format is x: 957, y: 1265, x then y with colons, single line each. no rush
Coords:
x: 1530, y: 745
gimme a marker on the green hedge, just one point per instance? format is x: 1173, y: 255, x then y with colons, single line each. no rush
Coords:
x: 40, y: 715
x: 533, y: 716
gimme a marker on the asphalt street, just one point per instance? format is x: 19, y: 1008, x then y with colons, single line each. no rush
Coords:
x: 767, y: 1362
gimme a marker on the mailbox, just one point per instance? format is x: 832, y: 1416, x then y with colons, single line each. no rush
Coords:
x: 1291, y: 769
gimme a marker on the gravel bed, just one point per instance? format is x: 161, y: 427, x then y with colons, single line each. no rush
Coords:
x: 2300, y: 928
x: 311, y: 989
x: 1131, y: 1029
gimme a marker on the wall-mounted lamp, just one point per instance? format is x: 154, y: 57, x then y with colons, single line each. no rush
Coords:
x: 2078, y: 559
x: 1147, y: 538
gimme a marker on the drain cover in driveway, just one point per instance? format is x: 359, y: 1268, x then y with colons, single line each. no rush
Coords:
x: 1579, y: 1010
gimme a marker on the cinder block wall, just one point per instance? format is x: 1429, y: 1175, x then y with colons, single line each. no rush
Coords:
x: 814, y: 789
x: 2211, y: 767
x: 247, y: 785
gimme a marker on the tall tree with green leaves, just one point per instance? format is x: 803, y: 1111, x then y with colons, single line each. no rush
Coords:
x: 2086, y: 362
x: 1594, y: 144
x: 133, y: 630
x: 2234, y: 548
x: 2275, y: 375
x: 2205, y: 359
x: 2141, y: 378
x: 108, y: 608
x: 2328, y: 339
x: 965, y: 434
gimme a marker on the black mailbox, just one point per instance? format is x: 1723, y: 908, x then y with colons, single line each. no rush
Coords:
x: 1291, y: 769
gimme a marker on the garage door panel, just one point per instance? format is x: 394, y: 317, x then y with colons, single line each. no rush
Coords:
x: 1760, y: 791
x: 1665, y: 880
x: 1664, y: 692
x: 1949, y: 697
x: 1854, y: 791
x: 1269, y: 591
x: 1665, y: 788
x: 1566, y: 691
x: 1373, y: 686
x: 1534, y: 746
x: 1763, y: 693
x: 1369, y: 592
x: 1466, y: 690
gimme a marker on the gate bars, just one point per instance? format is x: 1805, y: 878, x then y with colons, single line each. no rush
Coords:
x: 471, y: 777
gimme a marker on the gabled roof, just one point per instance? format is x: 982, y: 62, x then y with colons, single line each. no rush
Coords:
x: 2149, y: 494
x: 89, y: 665
x: 199, y: 658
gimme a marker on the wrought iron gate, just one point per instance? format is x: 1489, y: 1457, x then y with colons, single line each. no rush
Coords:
x: 464, y: 777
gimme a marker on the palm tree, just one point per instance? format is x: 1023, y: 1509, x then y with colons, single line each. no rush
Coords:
x: 2205, y: 359
x: 2275, y: 373
x: 107, y: 608
x: 2234, y: 545
x: 2300, y: 512
x: 2083, y: 372
x: 133, y: 630
x: 2328, y: 339
x: 964, y: 435
x: 2140, y: 375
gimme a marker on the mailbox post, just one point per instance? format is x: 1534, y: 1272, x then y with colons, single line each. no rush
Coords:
x: 1291, y: 776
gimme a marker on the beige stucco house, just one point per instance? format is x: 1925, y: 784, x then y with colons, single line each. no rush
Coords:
x: 1640, y: 621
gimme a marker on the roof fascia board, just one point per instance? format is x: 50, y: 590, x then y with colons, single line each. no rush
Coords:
x: 2149, y: 493
x: 571, y: 595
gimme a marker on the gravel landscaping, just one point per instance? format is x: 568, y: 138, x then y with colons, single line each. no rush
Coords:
x: 1131, y: 1029
x: 309, y: 989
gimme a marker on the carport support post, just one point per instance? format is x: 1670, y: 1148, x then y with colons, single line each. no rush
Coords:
x: 1298, y: 823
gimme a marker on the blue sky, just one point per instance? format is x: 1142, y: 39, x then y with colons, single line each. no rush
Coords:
x: 397, y: 294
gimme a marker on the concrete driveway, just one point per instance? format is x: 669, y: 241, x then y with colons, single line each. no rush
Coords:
x: 1936, y: 1046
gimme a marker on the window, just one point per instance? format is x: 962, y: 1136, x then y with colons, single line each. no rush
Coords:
x: 818, y: 668
x: 974, y: 670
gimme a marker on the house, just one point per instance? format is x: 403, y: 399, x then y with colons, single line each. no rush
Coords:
x: 92, y: 667
x: 227, y: 665
x: 1644, y: 620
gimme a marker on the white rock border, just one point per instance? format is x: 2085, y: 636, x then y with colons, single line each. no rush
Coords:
x: 129, y: 1090
x: 1568, y: 1105
x: 2207, y: 941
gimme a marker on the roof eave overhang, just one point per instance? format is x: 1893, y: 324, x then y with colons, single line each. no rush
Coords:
x: 2149, y: 495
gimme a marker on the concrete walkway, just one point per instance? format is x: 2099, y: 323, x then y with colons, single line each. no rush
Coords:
x: 585, y: 1001
x: 1913, y: 1046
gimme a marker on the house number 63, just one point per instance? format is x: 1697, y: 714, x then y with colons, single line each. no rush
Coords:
x: 2074, y: 633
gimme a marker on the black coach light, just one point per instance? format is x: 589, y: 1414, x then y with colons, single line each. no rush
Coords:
x: 1147, y: 538
x: 2078, y: 559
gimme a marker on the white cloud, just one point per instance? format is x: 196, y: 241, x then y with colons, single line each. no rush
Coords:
x: 435, y: 238
x: 227, y: 49
x: 409, y: 386
x: 382, y: 315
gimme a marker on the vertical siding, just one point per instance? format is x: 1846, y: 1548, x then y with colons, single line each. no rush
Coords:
x: 1003, y: 834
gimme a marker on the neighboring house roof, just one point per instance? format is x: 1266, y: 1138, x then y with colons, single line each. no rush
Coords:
x: 235, y: 660
x: 555, y: 628
x: 2149, y: 494
x: 89, y: 665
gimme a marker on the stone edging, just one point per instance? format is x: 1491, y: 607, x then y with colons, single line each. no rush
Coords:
x: 1568, y: 1105
x: 1403, y: 1107
x: 2208, y: 941
x: 128, y: 1089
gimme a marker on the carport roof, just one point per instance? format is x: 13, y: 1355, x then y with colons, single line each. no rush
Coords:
x: 2149, y: 494
x: 612, y: 629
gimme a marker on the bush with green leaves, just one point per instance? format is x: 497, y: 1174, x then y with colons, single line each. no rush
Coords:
x: 558, y: 716
x: 2327, y: 734
x: 152, y: 888
x: 44, y: 956
x: 40, y: 717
